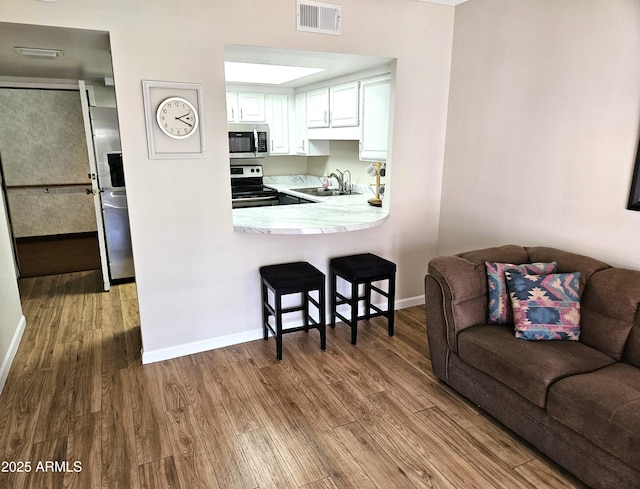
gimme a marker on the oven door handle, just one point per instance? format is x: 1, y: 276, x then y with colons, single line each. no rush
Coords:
x: 254, y: 199
x: 255, y: 141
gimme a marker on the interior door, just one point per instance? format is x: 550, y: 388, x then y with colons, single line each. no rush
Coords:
x: 104, y: 264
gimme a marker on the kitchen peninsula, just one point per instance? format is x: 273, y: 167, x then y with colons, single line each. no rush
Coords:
x: 332, y: 214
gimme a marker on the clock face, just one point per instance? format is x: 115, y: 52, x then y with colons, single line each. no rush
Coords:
x: 177, y: 118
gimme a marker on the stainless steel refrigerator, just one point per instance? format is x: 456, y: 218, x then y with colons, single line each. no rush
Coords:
x: 113, y: 194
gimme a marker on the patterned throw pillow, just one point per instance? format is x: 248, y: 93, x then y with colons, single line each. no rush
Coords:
x: 545, y: 307
x: 499, y: 302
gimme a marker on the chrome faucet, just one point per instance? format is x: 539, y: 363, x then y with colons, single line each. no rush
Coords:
x: 345, y: 187
x: 342, y: 185
x: 339, y: 178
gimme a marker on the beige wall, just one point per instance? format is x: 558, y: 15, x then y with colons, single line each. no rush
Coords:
x: 542, y: 128
x: 198, y: 281
x: 43, y: 144
x: 42, y: 137
x: 344, y: 156
x: 284, y: 165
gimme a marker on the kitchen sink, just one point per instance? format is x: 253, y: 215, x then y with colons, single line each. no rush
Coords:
x: 322, y: 192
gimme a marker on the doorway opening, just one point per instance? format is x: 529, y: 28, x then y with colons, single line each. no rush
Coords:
x: 46, y: 184
x: 61, y: 131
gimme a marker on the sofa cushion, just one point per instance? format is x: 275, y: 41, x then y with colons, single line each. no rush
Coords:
x: 604, y: 407
x: 545, y: 307
x: 502, y: 254
x: 527, y: 367
x: 500, y: 311
x: 610, y: 308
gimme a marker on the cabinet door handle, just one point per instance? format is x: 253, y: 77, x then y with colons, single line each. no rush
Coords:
x: 325, y: 116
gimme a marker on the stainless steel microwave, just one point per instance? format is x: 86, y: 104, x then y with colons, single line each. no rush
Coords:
x: 248, y: 140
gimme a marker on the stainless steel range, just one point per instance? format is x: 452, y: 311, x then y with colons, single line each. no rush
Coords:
x: 247, y: 189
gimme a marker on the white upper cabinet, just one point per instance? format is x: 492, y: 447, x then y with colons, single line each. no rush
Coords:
x: 301, y: 123
x: 318, y: 107
x: 374, y: 108
x: 232, y: 106
x: 245, y: 107
x: 251, y: 106
x: 334, y: 106
x: 305, y: 146
x: 277, y: 110
x: 304, y: 122
x: 343, y: 105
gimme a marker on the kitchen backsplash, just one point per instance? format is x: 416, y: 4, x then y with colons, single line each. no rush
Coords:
x: 343, y: 156
x: 303, y: 180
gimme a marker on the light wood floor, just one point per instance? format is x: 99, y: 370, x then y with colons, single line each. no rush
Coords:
x: 370, y: 416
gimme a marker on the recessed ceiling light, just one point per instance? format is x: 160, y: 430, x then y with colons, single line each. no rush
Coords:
x: 40, y: 52
x: 267, y: 74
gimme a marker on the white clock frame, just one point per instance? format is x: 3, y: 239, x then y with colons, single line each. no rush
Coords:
x: 161, y: 145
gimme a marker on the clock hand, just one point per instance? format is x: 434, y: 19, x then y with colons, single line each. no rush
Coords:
x: 182, y: 120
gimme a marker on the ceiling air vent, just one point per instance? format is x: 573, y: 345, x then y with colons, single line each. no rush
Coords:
x: 318, y: 17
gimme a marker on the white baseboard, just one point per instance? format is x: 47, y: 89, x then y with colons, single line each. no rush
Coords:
x: 11, y: 352
x: 410, y: 302
x: 199, y: 346
x: 234, y: 339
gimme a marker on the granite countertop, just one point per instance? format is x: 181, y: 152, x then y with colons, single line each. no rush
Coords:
x: 333, y: 214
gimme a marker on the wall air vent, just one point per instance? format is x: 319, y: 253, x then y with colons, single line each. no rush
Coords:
x: 318, y: 17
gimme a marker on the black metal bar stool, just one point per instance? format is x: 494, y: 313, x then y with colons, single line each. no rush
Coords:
x: 360, y: 269
x: 291, y: 278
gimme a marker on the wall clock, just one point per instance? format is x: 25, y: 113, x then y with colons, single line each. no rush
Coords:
x: 177, y: 118
x: 173, y: 115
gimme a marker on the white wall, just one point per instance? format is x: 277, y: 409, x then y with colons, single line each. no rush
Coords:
x: 12, y: 322
x: 197, y: 279
x: 543, y: 126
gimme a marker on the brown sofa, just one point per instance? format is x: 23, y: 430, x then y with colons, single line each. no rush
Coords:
x: 576, y: 401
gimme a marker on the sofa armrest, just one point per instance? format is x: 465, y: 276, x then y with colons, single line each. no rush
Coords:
x: 436, y: 328
x: 462, y: 301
